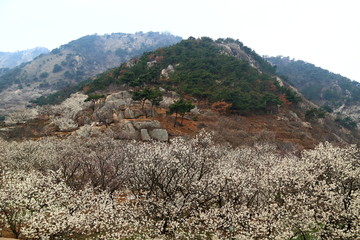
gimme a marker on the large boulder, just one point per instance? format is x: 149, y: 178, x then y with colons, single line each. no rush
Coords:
x: 124, y: 130
x: 87, y: 131
x: 147, y: 124
x: 159, y: 134
x: 104, y: 114
x: 138, y: 113
x: 125, y: 95
x: 144, y: 134
x: 84, y: 117
x: 129, y: 114
x: 167, y: 71
x: 120, y: 100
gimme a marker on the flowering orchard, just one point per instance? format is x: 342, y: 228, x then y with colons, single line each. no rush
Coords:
x: 101, y: 188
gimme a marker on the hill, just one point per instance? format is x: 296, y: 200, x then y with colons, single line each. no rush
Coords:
x: 333, y: 91
x: 74, y: 62
x: 13, y: 59
x: 319, y: 85
x: 235, y: 93
x: 224, y: 70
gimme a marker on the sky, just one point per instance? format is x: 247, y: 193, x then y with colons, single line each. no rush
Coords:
x: 323, y: 32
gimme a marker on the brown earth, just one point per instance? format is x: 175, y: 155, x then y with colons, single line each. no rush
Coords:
x: 287, y: 131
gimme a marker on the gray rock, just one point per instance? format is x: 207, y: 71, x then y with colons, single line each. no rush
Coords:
x: 138, y: 113
x: 159, y: 134
x: 150, y: 64
x: 119, y: 104
x: 165, y: 72
x: 84, y: 117
x: 104, y: 114
x: 170, y: 69
x: 120, y: 100
x: 167, y: 101
x: 147, y: 124
x: 151, y: 113
x: 306, y: 125
x: 128, y: 127
x: 129, y: 114
x: 294, y: 115
x: 120, y: 115
x: 119, y: 95
x: 145, y: 135
x: 195, y: 110
x: 116, y: 117
x: 124, y: 130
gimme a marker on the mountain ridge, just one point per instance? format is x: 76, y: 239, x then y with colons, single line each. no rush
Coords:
x: 74, y: 62
x: 333, y: 92
x: 14, y: 59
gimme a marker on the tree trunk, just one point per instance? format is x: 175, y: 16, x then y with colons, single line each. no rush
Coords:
x: 175, y: 119
x: 164, y: 227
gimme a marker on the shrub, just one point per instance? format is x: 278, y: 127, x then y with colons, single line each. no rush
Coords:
x: 44, y: 75
x: 314, y: 113
x: 93, y: 97
x: 57, y: 68
x: 346, y: 122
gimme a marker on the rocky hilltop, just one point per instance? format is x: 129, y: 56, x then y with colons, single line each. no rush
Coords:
x: 74, y: 62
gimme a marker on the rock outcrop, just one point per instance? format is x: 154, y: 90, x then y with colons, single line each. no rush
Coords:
x: 144, y: 134
x: 159, y: 134
x: 118, y: 116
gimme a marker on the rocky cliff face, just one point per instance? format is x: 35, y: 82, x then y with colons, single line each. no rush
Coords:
x: 74, y: 62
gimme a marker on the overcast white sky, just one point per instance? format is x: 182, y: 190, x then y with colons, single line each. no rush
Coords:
x: 323, y: 32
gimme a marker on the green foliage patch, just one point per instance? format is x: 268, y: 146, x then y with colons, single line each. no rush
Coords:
x: 92, y: 97
x: 317, y: 84
x: 346, y: 122
x: 180, y: 107
x: 202, y: 71
x: 314, y: 113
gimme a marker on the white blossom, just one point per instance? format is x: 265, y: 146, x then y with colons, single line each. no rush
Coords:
x: 101, y: 188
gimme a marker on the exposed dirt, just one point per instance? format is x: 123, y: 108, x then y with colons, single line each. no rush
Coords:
x: 286, y: 129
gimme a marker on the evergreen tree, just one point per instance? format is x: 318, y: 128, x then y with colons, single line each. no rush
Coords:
x: 153, y: 95
x: 180, y: 107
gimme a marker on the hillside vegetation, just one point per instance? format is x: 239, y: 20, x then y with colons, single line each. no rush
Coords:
x: 201, y: 68
x: 74, y: 62
x: 233, y: 90
x: 317, y: 84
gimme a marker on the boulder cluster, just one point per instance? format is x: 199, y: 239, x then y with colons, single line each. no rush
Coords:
x: 122, y: 117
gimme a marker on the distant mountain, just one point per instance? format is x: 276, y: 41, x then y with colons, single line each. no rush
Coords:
x: 331, y: 91
x: 318, y: 85
x: 3, y: 71
x: 13, y: 59
x: 74, y: 62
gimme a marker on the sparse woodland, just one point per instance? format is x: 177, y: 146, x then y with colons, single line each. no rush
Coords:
x: 101, y: 188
